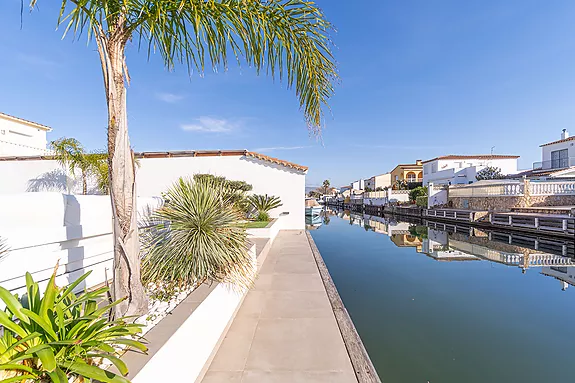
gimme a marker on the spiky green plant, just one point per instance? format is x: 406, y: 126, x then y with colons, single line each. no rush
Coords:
x: 60, y: 336
x: 197, y: 236
x: 262, y: 204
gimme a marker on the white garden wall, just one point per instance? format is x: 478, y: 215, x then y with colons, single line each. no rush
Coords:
x: 41, y: 229
x: 155, y: 175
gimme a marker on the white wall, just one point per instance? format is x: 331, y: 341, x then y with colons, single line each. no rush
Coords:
x: 155, y: 175
x: 21, y: 139
x: 546, y: 153
x: 41, y: 229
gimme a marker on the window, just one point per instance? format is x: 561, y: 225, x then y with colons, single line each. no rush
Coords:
x: 560, y: 159
x: 434, y: 167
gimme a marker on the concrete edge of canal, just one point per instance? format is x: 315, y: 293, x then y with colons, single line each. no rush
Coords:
x: 360, y: 360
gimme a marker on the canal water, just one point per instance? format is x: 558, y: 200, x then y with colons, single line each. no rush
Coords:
x: 445, y: 304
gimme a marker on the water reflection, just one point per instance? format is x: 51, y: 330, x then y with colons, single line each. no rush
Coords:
x: 553, y: 257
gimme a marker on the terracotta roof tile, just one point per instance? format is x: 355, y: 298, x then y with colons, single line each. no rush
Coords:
x: 473, y: 157
x: 186, y: 153
x: 559, y: 141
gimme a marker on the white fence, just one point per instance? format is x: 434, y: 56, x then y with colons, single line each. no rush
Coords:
x: 514, y: 189
x: 503, y: 189
x: 552, y: 188
x: 41, y: 229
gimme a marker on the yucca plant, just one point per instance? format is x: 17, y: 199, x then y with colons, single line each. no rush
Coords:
x: 60, y: 337
x: 262, y: 204
x: 196, y: 236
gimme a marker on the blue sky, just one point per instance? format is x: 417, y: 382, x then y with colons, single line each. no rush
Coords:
x: 418, y: 79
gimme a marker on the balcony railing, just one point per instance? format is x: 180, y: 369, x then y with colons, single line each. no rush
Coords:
x: 560, y: 163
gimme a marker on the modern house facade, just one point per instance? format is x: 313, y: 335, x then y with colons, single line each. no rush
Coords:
x: 378, y: 182
x: 358, y: 185
x: 462, y: 169
x: 407, y: 173
x: 19, y: 137
x: 557, y: 157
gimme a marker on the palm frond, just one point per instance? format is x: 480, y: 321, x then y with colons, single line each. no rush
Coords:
x: 196, y: 236
x: 285, y: 38
x: 264, y: 203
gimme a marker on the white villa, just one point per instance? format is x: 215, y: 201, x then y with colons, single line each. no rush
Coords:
x: 557, y: 159
x: 19, y: 137
x: 379, y: 181
x: 462, y: 169
x: 358, y: 185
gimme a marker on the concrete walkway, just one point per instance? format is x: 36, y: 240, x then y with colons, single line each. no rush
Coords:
x: 285, y: 331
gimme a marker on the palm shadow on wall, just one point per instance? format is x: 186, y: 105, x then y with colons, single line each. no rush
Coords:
x: 53, y: 181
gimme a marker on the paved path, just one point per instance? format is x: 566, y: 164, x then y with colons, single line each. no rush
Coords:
x: 285, y: 331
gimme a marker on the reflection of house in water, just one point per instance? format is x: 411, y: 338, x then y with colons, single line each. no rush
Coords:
x: 436, y: 246
x: 565, y: 275
x: 398, y: 232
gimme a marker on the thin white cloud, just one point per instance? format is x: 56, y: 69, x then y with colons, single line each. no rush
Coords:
x: 169, y: 97
x: 210, y: 125
x: 35, y: 60
x: 400, y: 146
x: 280, y: 148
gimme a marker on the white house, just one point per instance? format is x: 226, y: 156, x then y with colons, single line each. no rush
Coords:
x: 462, y: 169
x: 358, y: 185
x: 19, y: 137
x: 158, y: 170
x: 379, y: 181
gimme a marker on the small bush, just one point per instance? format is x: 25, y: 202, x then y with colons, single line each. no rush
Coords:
x: 263, y: 216
x: 417, y: 192
x: 421, y: 201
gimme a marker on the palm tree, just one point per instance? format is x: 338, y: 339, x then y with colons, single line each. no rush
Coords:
x: 197, y: 236
x: 71, y: 155
x: 326, y: 184
x: 263, y: 204
x: 287, y: 38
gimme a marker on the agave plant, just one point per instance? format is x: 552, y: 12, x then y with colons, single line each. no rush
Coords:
x: 196, y: 236
x: 60, y: 336
x: 262, y: 204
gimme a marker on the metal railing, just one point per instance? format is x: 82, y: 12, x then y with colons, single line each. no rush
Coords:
x: 560, y: 163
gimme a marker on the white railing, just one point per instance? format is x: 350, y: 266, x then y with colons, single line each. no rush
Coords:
x: 399, y: 191
x: 378, y: 194
x: 552, y: 188
x: 507, y: 189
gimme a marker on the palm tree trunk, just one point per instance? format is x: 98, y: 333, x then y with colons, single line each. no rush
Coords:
x: 84, y: 183
x: 127, y: 282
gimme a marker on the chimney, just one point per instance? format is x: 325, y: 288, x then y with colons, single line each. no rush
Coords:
x: 418, y: 162
x: 564, y: 134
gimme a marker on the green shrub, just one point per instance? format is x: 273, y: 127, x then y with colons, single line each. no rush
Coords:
x: 262, y: 204
x: 417, y: 192
x: 59, y: 335
x: 263, y: 216
x: 421, y: 201
x: 198, y: 235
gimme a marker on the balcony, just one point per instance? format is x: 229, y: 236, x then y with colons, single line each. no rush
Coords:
x: 561, y: 163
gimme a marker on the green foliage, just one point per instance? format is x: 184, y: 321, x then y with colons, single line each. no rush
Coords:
x: 421, y: 201
x: 417, y: 192
x: 58, y: 335
x: 325, y: 186
x: 262, y: 204
x: 288, y: 38
x: 368, y: 189
x: 71, y: 155
x: 378, y: 189
x: 235, y: 190
x: 489, y: 173
x: 420, y: 232
x: 197, y: 236
x: 263, y: 216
